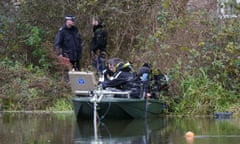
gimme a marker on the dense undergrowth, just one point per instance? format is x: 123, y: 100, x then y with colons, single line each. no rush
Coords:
x: 199, y: 51
x: 25, y: 88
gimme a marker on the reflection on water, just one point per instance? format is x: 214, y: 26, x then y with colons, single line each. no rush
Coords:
x: 120, y: 131
x: 26, y: 128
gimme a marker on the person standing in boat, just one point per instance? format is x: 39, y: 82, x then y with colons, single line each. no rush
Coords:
x: 144, y: 74
x: 98, y: 44
x: 68, y: 43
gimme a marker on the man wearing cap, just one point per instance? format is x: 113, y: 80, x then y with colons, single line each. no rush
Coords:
x: 68, y: 42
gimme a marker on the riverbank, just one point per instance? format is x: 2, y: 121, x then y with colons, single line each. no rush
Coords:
x: 198, y: 51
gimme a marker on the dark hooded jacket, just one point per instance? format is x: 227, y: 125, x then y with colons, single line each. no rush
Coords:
x: 99, y: 39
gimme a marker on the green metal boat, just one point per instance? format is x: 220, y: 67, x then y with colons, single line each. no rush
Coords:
x: 117, y: 108
x: 91, y: 102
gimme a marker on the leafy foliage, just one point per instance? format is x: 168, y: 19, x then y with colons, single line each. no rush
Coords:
x: 24, y: 89
x: 61, y: 105
x: 198, y: 50
x: 201, y: 95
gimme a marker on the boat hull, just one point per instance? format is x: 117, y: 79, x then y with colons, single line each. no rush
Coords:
x: 118, y: 108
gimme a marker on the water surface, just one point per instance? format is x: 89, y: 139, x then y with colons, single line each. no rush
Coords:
x: 62, y: 128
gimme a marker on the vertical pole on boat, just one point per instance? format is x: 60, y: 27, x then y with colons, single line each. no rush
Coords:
x: 145, y: 84
x: 146, y: 130
x: 146, y: 106
x: 145, y: 99
x: 97, y: 98
x: 95, y: 119
x: 94, y: 100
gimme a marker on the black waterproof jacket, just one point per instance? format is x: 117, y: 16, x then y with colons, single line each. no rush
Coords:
x: 99, y: 39
x: 124, y: 79
x: 120, y: 78
x: 68, y: 43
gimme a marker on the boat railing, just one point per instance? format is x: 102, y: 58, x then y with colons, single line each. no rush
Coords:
x: 102, y: 92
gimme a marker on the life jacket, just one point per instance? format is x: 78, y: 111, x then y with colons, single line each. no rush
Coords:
x: 132, y: 82
x: 134, y: 85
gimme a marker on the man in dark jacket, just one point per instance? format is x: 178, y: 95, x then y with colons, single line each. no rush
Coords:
x: 68, y: 42
x: 98, y: 44
x: 144, y: 74
x: 123, y: 79
x: 144, y: 70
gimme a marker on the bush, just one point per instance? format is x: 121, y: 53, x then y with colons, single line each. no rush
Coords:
x: 201, y: 95
x: 164, y: 33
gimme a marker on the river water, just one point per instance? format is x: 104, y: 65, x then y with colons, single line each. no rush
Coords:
x: 62, y: 128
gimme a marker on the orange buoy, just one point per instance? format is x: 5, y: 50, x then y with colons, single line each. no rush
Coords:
x: 189, y: 137
x: 189, y: 134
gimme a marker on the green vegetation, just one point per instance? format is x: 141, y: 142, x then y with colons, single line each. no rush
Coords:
x: 61, y: 105
x: 28, y: 88
x: 198, y: 50
x: 200, y: 95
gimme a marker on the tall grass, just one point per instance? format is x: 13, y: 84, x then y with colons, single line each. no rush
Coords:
x: 202, y: 95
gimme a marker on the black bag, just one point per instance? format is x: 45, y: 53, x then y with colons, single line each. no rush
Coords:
x: 135, y: 86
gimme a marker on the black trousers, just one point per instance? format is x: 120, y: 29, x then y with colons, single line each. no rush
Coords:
x: 75, y: 65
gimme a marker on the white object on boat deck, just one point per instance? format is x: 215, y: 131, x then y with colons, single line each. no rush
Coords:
x: 104, y: 92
